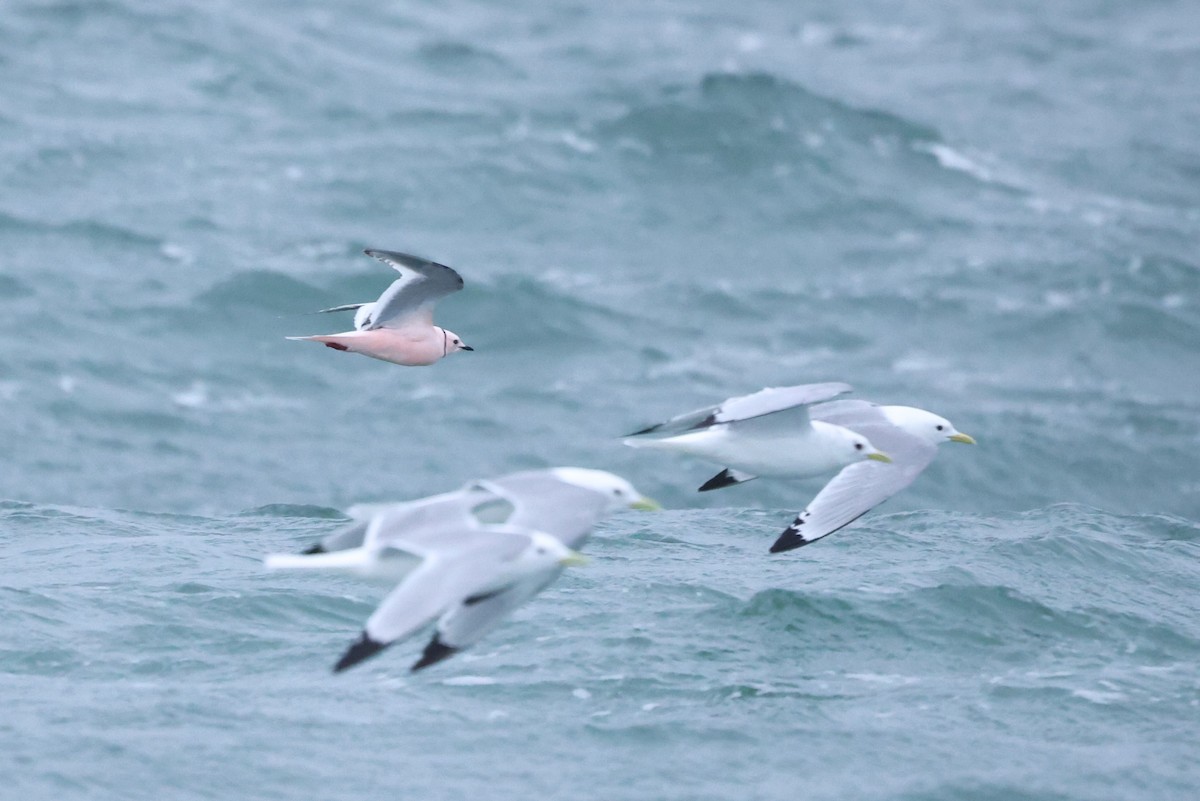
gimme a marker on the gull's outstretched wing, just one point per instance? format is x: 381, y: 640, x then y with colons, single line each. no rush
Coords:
x: 344, y: 307
x: 460, y: 566
x: 362, y: 313
x: 436, y: 511
x: 534, y: 499
x: 748, y: 407
x: 545, y: 502
x: 426, y: 522
x: 410, y: 298
x: 468, y: 622
x: 863, y: 485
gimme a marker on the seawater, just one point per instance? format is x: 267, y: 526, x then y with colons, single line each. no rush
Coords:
x: 985, y: 210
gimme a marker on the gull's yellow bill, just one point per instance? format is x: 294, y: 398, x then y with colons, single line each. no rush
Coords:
x: 574, y: 559
x: 646, y: 504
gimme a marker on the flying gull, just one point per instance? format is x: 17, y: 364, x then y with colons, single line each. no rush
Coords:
x: 457, y: 566
x: 768, y: 433
x: 911, y: 437
x: 563, y: 502
x: 398, y: 327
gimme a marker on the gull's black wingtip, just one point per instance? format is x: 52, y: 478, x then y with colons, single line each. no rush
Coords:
x: 365, y: 648
x: 649, y: 430
x: 723, y: 479
x: 318, y: 548
x: 389, y: 255
x: 435, y: 652
x: 788, y: 541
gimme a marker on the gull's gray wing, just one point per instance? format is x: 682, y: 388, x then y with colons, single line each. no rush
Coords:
x: 425, y: 521
x: 545, y: 502
x: 863, y: 485
x: 530, y: 499
x: 459, y: 566
x: 354, y: 307
x: 410, y: 298
x: 362, y: 312
x: 771, y: 400
x: 362, y: 316
x: 436, y: 511
x: 468, y: 622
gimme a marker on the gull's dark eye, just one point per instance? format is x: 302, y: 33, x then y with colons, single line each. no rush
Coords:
x: 858, y: 446
x: 616, y: 492
x: 456, y: 342
x: 941, y: 428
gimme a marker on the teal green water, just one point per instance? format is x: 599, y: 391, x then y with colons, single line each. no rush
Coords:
x: 988, y: 210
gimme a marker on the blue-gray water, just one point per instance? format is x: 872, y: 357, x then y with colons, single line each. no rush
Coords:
x: 986, y: 209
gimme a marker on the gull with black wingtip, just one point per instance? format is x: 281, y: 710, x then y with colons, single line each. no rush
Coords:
x: 469, y: 587
x: 768, y: 433
x: 435, y: 574
x: 911, y: 437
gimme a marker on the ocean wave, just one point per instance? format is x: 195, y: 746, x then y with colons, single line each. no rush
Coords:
x: 681, y: 615
x: 516, y: 313
x: 758, y: 121
x: 262, y: 289
x: 289, y: 510
x: 464, y: 58
x: 98, y: 232
x: 759, y: 102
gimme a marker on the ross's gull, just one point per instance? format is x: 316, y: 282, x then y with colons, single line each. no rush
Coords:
x: 398, y: 327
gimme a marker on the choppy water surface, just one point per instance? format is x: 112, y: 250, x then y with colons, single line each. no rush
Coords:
x: 987, y: 210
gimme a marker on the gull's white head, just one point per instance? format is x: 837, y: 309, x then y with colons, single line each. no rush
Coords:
x: 854, y: 447
x: 453, y: 343
x: 621, y: 493
x: 926, y: 425
x: 545, y: 553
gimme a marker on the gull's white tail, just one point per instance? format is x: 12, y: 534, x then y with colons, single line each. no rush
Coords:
x: 343, y: 341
